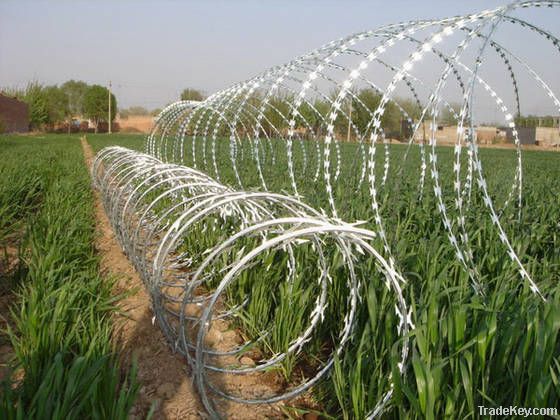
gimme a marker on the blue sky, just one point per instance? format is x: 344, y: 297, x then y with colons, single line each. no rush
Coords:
x: 150, y: 50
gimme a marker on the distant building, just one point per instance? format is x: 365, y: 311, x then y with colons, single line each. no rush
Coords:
x: 526, y: 135
x: 540, y: 130
x: 14, y: 115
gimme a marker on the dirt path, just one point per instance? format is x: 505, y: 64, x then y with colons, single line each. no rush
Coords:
x: 164, y: 376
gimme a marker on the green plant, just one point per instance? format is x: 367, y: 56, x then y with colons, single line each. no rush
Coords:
x: 62, y: 312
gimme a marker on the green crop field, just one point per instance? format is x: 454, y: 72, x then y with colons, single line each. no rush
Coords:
x: 63, y: 362
x: 500, y: 347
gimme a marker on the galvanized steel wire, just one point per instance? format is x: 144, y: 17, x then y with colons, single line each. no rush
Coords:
x: 155, y: 204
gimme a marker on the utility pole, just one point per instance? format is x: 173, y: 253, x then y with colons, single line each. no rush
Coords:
x: 349, y: 122
x: 109, y: 119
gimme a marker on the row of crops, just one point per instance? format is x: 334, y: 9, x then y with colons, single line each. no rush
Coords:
x: 62, y: 363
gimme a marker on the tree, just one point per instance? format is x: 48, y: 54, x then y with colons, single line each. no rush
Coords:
x: 96, y: 105
x: 314, y: 115
x: 531, y: 121
x: 35, y: 98
x: 190, y: 94
x: 33, y: 95
x: 364, y: 107
x: 411, y: 107
x: 276, y: 114
x: 75, y: 90
x: 447, y: 116
x: 57, y: 104
x: 47, y: 105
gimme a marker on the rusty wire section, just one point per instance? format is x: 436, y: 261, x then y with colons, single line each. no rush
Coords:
x: 282, y: 104
x: 192, y: 239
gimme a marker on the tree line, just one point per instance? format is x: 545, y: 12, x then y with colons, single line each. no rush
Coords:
x: 52, y: 105
x: 532, y: 121
x: 312, y: 116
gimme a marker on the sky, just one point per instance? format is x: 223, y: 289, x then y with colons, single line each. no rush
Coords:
x: 151, y: 50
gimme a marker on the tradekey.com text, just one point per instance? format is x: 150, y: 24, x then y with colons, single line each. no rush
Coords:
x: 514, y: 410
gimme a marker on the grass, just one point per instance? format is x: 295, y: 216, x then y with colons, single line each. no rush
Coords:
x: 65, y: 366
